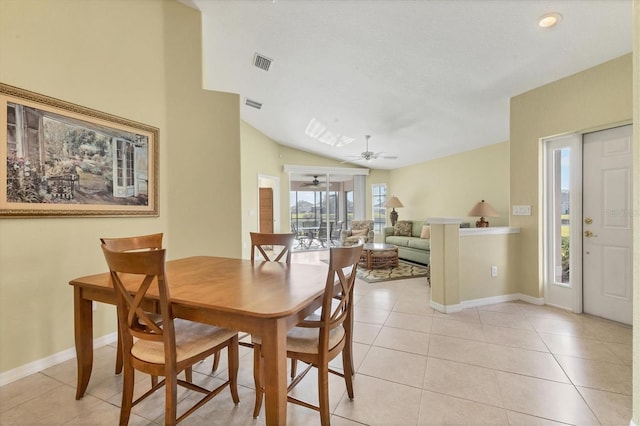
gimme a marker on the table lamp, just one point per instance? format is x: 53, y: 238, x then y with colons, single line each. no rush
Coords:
x: 483, y: 209
x: 393, y: 203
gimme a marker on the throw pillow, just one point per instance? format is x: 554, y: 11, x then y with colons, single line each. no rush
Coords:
x: 359, y: 232
x: 426, y: 232
x: 403, y: 228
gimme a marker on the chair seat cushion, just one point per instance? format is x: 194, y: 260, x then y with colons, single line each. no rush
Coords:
x: 192, y: 338
x: 305, y: 340
x: 349, y: 241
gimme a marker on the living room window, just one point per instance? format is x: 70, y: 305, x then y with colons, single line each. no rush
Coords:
x: 379, y: 199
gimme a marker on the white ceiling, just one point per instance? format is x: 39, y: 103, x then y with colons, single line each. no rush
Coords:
x: 425, y: 79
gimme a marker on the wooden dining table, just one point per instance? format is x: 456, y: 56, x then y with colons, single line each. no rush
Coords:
x: 262, y: 298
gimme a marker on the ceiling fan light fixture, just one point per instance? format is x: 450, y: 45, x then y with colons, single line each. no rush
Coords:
x: 549, y: 20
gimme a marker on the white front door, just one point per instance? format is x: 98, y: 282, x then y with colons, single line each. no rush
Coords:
x: 606, y: 227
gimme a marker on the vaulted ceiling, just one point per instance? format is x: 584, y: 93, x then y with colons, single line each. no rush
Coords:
x: 425, y: 79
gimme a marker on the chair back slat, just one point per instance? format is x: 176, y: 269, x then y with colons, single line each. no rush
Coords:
x: 343, y: 263
x: 261, y: 240
x: 338, y: 295
x: 138, y: 273
x: 149, y: 242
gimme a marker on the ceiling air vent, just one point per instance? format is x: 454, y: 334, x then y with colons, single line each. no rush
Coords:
x: 252, y: 103
x: 262, y: 62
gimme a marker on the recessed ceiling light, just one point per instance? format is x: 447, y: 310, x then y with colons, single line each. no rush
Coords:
x: 549, y: 20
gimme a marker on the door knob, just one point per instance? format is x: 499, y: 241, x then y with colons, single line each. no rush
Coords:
x: 589, y: 234
x: 588, y: 221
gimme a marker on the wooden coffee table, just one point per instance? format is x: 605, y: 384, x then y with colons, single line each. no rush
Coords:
x: 379, y: 255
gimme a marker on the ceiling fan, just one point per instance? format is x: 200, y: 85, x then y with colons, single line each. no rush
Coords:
x: 370, y: 155
x: 315, y: 183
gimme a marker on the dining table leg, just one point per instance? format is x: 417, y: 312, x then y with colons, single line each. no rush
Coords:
x: 274, y: 351
x: 83, y: 323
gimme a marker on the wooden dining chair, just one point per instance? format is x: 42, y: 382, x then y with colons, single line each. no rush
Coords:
x: 280, y: 244
x: 164, y: 349
x: 321, y: 337
x: 142, y: 242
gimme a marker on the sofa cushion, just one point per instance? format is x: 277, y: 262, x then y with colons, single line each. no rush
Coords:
x: 419, y: 243
x: 426, y: 232
x: 398, y: 240
x: 403, y: 228
x: 416, y: 228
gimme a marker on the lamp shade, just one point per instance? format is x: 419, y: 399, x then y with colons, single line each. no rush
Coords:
x: 483, y: 209
x: 393, y: 202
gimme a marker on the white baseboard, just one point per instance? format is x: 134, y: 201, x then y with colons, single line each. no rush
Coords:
x: 473, y: 303
x: 531, y: 299
x: 489, y: 300
x: 445, y: 309
x: 632, y: 423
x: 44, y: 363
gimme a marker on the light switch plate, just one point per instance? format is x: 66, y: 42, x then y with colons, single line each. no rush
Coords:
x: 521, y: 210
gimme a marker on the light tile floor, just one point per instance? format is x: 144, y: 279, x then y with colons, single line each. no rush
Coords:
x: 509, y: 363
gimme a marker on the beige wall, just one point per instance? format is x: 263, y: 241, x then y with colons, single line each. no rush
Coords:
x: 260, y: 156
x: 477, y: 254
x: 451, y: 186
x: 203, y: 136
x: 636, y: 219
x: 118, y: 57
x: 592, y: 99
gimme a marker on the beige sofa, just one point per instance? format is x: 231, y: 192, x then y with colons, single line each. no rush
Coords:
x: 410, y: 247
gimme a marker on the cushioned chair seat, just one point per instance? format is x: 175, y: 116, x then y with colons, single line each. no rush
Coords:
x: 305, y: 340
x: 192, y: 338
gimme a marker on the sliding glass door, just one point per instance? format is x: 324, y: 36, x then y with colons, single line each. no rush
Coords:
x: 323, y: 200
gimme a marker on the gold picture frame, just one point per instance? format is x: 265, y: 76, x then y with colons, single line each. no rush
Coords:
x: 62, y: 159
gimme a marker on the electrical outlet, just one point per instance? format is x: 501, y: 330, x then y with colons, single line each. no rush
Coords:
x: 521, y: 210
x: 494, y: 271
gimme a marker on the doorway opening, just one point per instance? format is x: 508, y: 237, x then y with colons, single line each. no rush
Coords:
x: 587, y: 217
x: 268, y: 204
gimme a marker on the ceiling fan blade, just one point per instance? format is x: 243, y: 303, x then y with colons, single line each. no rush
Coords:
x: 369, y: 156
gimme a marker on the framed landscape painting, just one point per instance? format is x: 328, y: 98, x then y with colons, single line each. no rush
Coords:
x: 62, y: 159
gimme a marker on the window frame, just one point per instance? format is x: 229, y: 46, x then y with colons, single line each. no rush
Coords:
x: 379, y: 211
